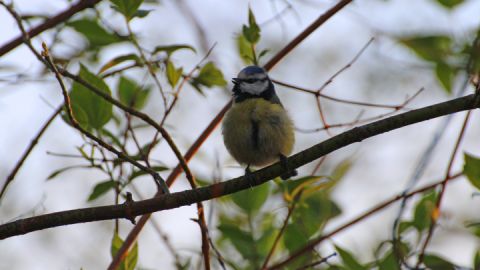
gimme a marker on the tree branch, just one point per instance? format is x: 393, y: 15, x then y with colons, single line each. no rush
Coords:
x: 52, y: 22
x: 29, y: 149
x: 178, y: 199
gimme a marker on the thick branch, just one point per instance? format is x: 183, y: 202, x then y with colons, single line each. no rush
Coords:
x: 52, y: 22
x: 188, y: 197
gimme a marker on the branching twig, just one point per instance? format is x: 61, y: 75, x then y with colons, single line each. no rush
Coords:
x: 150, y: 68
x: 348, y: 65
x: 158, y: 179
x: 340, y: 100
x: 365, y: 120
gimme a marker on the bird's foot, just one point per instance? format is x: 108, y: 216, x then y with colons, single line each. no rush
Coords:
x: 249, y: 176
x: 288, y: 172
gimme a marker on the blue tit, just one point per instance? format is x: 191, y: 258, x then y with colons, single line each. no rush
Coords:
x: 257, y: 130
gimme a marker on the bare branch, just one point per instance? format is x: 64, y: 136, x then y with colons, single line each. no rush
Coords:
x: 52, y: 22
x: 29, y: 149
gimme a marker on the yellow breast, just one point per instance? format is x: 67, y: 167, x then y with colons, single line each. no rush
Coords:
x: 256, y: 132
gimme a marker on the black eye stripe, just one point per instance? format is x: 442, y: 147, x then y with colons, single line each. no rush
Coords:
x: 249, y: 81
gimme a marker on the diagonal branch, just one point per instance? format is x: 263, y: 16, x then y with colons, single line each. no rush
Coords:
x: 52, y: 22
x: 178, y: 199
x: 27, y: 152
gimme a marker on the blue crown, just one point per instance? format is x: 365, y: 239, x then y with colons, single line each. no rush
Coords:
x: 252, y: 70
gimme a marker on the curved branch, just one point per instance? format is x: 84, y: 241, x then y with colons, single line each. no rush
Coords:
x: 178, y: 199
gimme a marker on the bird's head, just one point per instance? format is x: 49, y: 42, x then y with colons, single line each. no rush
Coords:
x: 252, y: 80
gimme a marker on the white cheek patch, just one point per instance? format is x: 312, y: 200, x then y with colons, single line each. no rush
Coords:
x: 255, y: 88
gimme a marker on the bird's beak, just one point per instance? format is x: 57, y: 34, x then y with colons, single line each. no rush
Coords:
x: 236, y: 80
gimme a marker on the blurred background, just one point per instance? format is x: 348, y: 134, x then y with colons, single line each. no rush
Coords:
x: 387, y: 72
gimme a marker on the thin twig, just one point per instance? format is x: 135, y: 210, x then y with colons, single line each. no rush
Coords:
x: 150, y: 68
x: 175, y: 98
x: 199, y: 29
x: 307, y: 32
x: 163, y: 235
x: 282, y: 229
x: 29, y: 149
x: 365, y: 120
x: 340, y: 100
x: 348, y: 65
x: 436, y: 211
x: 315, y: 263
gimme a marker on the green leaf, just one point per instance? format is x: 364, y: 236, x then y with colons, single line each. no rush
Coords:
x: 131, y: 94
x: 62, y: 170
x: 445, y: 75
x: 430, y: 48
x: 169, y: 49
x: 127, y: 7
x: 117, y: 243
x: 131, y: 258
x: 472, y: 170
x: 313, y: 213
x: 210, y: 76
x: 424, y: 210
x: 294, y: 237
x: 435, y: 262
x: 89, y: 109
x: 118, y: 60
x: 173, y: 74
x: 450, y: 3
x: 388, y: 262
x: 142, y: 13
x: 113, y: 138
x: 404, y: 226
x: 251, y: 200
x: 265, y: 242
x: 305, y: 184
x: 252, y: 31
x: 241, y: 240
x: 93, y: 32
x: 100, y: 189
x: 262, y: 53
x: 349, y: 260
x: 245, y: 50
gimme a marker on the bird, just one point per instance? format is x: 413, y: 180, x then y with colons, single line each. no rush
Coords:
x: 257, y: 130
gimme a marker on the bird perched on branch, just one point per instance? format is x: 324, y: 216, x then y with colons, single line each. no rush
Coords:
x: 257, y: 130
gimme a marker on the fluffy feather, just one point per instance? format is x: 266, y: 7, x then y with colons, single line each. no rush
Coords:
x: 256, y: 132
